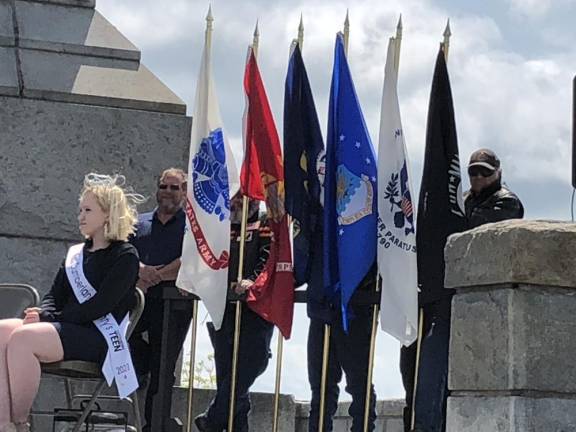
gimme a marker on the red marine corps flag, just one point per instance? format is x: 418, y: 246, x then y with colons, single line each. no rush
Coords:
x: 262, y: 178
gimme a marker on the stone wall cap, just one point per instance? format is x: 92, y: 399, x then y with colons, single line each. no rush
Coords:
x: 6, y: 25
x: 91, y: 81
x: 8, y: 73
x: 74, y: 3
x: 62, y: 29
x: 534, y: 252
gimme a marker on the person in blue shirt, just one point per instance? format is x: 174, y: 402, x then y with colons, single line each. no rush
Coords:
x: 158, y: 239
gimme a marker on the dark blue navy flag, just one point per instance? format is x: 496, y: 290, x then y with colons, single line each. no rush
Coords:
x: 350, y: 189
x: 303, y: 158
x: 440, y: 207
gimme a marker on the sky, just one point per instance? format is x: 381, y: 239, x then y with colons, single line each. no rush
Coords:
x: 511, y: 65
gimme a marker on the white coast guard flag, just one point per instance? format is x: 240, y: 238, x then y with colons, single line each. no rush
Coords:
x: 396, y: 222
x: 212, y: 178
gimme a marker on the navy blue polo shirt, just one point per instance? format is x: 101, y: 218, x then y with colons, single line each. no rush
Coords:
x: 158, y: 243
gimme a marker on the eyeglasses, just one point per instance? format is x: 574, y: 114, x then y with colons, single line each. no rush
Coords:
x: 475, y: 171
x: 172, y: 187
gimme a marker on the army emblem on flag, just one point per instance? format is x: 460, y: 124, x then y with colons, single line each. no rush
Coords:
x: 210, y: 176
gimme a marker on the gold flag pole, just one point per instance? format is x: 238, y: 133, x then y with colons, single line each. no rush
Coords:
x: 398, y: 44
x: 444, y: 45
x: 325, y: 358
x: 327, y: 328
x: 280, y: 346
x: 194, y: 330
x: 279, y: 354
x: 417, y: 367
x: 192, y: 365
x: 301, y: 34
x: 346, y: 32
x: 256, y: 40
x: 238, y: 316
x: 371, y: 360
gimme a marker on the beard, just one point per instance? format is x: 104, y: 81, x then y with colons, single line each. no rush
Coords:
x: 168, y: 204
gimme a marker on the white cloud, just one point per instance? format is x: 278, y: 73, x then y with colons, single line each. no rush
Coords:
x: 531, y: 8
x: 518, y: 107
x: 150, y: 23
x: 537, y: 8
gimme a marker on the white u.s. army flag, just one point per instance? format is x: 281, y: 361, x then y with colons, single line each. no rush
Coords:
x: 212, y: 178
x: 396, y: 222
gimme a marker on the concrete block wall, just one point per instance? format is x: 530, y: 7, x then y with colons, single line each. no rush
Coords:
x: 512, y: 345
x: 388, y: 412
x: 293, y: 413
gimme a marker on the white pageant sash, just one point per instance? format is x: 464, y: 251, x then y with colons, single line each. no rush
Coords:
x: 118, y: 364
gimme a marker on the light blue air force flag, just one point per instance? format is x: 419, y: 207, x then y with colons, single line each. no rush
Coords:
x: 396, y: 231
x: 350, y: 212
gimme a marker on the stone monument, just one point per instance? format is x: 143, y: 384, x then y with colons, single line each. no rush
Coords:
x: 74, y: 98
x: 513, y: 344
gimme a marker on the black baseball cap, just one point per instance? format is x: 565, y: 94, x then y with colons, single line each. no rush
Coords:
x: 485, y: 158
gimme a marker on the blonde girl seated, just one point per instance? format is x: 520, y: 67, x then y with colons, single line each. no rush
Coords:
x: 94, y: 285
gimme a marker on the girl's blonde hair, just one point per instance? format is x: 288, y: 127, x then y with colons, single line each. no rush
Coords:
x: 115, y: 200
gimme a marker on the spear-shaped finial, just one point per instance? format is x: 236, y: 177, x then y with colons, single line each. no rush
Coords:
x: 256, y: 40
x: 398, y: 42
x: 399, y: 28
x: 446, y: 42
x: 301, y: 33
x: 346, y: 32
x: 209, y: 21
x: 209, y: 17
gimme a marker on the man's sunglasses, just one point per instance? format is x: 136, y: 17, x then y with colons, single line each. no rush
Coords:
x: 481, y: 171
x: 171, y: 187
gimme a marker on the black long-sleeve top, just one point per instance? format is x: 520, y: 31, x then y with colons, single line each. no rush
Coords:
x: 112, y: 272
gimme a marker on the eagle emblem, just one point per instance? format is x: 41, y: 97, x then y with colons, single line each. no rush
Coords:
x: 400, y: 200
x: 210, y: 176
x: 354, y: 196
x: 275, y: 193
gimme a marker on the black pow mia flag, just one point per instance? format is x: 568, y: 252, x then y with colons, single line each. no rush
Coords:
x: 440, y: 206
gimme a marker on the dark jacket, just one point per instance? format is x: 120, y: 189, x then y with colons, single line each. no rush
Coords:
x: 256, y: 248
x: 256, y: 253
x: 112, y: 272
x: 496, y: 203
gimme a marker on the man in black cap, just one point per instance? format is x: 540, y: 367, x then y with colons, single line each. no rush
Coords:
x: 488, y: 200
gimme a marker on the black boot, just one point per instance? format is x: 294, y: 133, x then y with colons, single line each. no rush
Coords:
x: 204, y: 424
